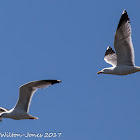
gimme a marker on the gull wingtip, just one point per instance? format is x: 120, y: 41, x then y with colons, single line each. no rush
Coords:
x: 56, y: 81
x: 59, y: 81
x: 124, y: 11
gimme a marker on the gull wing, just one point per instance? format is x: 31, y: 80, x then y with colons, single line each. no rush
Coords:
x: 110, y: 56
x: 3, y: 109
x: 27, y: 90
x: 123, y: 42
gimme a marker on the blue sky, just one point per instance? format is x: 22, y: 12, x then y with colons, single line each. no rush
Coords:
x: 67, y: 40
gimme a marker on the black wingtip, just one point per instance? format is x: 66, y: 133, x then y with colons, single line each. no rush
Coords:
x: 54, y: 81
x: 124, y: 18
x: 58, y: 81
x: 124, y: 11
x: 109, y: 51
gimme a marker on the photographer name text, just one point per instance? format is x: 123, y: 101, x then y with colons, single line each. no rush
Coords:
x: 38, y: 135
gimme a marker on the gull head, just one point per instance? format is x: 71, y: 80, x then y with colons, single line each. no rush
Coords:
x: 106, y: 71
x: 99, y: 72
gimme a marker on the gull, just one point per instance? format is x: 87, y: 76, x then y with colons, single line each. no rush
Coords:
x: 123, y: 60
x: 26, y: 91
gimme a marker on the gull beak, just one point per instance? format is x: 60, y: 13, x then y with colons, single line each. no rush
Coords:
x: 99, y: 72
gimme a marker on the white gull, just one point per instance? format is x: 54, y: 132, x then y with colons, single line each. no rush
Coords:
x: 123, y: 60
x: 20, y: 111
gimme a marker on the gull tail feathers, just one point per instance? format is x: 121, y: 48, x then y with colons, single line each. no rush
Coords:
x: 32, y: 117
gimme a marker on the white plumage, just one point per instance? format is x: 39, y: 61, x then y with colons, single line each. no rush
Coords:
x: 20, y: 111
x: 123, y: 60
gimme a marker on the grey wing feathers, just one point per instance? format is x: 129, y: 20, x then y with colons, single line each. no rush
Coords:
x: 27, y: 90
x: 123, y: 42
x: 110, y: 56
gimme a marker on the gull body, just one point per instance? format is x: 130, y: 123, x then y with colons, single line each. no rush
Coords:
x: 120, y: 70
x: 17, y: 114
x: 123, y: 61
x: 21, y: 109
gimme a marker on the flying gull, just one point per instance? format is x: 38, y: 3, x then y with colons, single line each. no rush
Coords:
x: 20, y: 111
x: 123, y: 60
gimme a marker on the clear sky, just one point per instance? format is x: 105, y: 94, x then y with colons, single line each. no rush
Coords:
x: 67, y: 40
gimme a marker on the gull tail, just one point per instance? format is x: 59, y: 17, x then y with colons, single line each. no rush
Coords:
x: 32, y: 117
